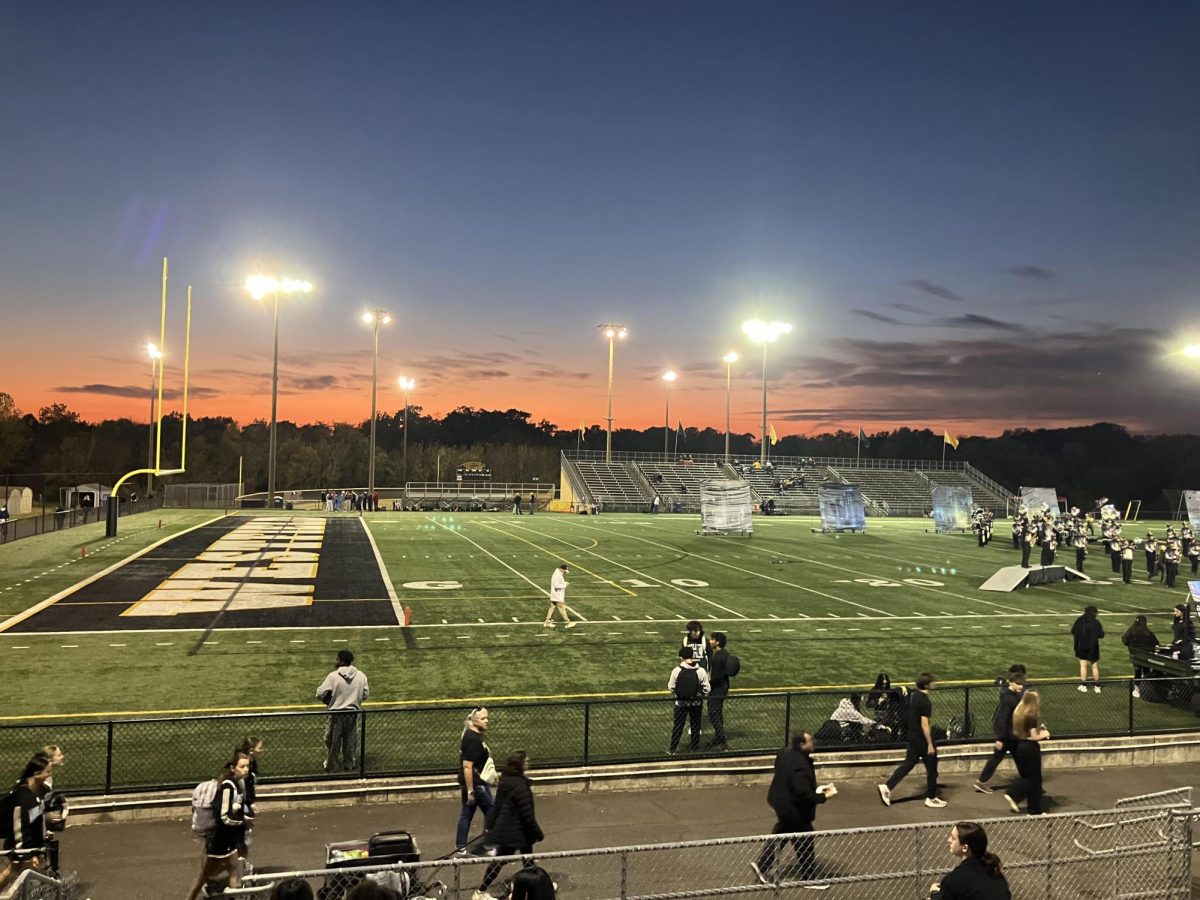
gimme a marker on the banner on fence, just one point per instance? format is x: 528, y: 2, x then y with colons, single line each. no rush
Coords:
x: 842, y: 507
x: 1035, y: 498
x: 952, y: 507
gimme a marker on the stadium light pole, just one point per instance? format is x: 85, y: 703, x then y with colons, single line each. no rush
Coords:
x: 764, y: 333
x: 614, y: 333
x: 155, y: 355
x: 374, y: 318
x: 260, y: 286
x: 406, y: 385
x: 729, y: 358
x: 668, y: 379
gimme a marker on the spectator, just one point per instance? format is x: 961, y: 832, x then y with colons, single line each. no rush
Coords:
x: 22, y: 815
x: 695, y: 639
x: 343, y: 692
x: 221, y: 849
x: 689, y: 684
x: 723, y: 665
x: 532, y: 883
x: 291, y: 889
x: 512, y: 825
x: 979, y: 876
x: 854, y: 724
x: 371, y: 890
x: 473, y: 755
x: 794, y: 796
x: 1029, y: 732
x: 55, y: 754
x: 1138, y: 636
x: 1087, y: 632
x: 1002, y: 729
x: 253, y: 748
x: 883, y: 685
x: 3, y: 521
x: 920, y: 745
x: 1183, y: 635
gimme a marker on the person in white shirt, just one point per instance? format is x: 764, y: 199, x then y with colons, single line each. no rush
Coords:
x: 558, y: 597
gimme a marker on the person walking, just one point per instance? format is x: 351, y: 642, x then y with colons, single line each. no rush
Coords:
x: 474, y: 791
x: 221, y: 847
x: 920, y: 745
x: 979, y: 874
x: 1087, y: 632
x: 517, y: 504
x: 23, y: 816
x: 558, y: 597
x: 794, y: 796
x: 689, y: 683
x: 1010, y: 696
x: 512, y: 824
x: 343, y: 692
x: 1029, y: 732
x: 723, y: 665
x: 253, y: 748
x: 1138, y: 636
x: 532, y: 503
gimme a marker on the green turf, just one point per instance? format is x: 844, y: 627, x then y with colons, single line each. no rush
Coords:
x: 801, y: 609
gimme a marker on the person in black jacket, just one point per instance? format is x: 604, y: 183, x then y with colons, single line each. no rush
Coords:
x: 979, y: 876
x: 1183, y: 634
x: 1087, y: 632
x: 22, y: 815
x: 722, y: 666
x: 1138, y: 636
x: 512, y: 826
x: 794, y: 796
x: 1010, y: 696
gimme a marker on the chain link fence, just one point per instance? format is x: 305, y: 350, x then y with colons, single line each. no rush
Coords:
x: 201, y: 496
x: 1140, y: 849
x: 62, y: 519
x: 160, y: 753
x: 31, y: 885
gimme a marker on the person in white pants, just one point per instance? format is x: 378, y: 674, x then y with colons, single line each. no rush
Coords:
x: 558, y: 597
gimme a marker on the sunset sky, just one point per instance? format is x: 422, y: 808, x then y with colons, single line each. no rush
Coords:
x: 975, y: 215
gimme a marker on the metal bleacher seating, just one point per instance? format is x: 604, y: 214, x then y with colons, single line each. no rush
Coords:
x: 981, y: 494
x: 795, y: 499
x: 612, y: 485
x: 678, y: 484
x: 899, y: 492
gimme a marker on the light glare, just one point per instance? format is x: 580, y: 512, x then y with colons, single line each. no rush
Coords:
x: 765, y: 332
x: 1192, y: 351
x: 730, y: 357
x: 407, y: 384
x: 668, y: 377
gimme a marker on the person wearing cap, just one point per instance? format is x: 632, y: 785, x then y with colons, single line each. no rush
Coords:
x: 558, y: 597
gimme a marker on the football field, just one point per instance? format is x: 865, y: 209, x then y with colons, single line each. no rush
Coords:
x: 215, y: 612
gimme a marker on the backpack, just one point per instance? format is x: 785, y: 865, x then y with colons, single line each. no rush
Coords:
x: 733, y: 665
x: 204, y: 797
x: 960, y: 728
x: 687, y: 684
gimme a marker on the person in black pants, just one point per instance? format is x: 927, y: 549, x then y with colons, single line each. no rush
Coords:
x: 1010, y: 696
x: 1029, y: 732
x: 794, y: 796
x: 1139, y: 636
x: 1127, y: 561
x: 920, y: 745
x: 689, y: 683
x: 1026, y: 547
x: 512, y: 825
x: 722, y: 666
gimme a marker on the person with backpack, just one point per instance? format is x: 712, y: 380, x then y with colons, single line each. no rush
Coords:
x: 723, y: 665
x: 689, y: 683
x: 228, y: 817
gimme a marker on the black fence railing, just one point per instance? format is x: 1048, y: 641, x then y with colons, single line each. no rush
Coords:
x: 62, y: 519
x: 123, y: 755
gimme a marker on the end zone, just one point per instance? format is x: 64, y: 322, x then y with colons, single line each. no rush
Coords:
x: 231, y: 572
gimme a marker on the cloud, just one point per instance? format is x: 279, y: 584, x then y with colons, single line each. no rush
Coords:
x: 313, y: 382
x: 972, y: 320
x: 877, y: 317
x: 905, y: 307
x: 485, y: 374
x: 135, y: 392
x: 1033, y: 273
x: 935, y: 290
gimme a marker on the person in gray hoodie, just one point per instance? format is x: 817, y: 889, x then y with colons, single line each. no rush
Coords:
x: 343, y: 692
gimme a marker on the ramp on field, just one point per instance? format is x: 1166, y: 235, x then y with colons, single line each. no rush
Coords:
x: 1011, y: 578
x: 232, y: 572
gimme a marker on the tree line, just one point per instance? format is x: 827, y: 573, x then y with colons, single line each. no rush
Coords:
x: 1084, y: 463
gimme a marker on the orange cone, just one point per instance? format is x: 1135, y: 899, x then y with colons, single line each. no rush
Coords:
x: 83, y: 551
x: 407, y: 616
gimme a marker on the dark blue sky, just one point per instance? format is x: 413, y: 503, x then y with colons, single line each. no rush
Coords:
x: 977, y: 215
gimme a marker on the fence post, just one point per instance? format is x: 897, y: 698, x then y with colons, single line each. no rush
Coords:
x: 587, y: 732
x: 968, y: 725
x: 362, y: 745
x: 108, y: 753
x: 624, y: 874
x: 1129, y: 691
x: 787, y: 719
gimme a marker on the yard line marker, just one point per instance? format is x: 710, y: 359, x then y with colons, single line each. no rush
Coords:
x: 481, y: 620
x: 165, y: 644
x: 116, y: 645
x: 919, y: 615
x: 649, y: 632
x: 616, y: 618
x: 444, y: 622
x: 503, y: 635
x: 1006, y: 626
x: 772, y: 615
x: 69, y: 646
x: 822, y: 629
x: 515, y: 619
x: 864, y: 615
x: 976, y: 626
x: 21, y: 647
x: 788, y: 629
x: 609, y: 633
x: 917, y: 628
x: 388, y: 639
x: 854, y: 629
x: 424, y: 639
x: 944, y: 613
x: 678, y: 616
x: 253, y: 642
x: 463, y: 637
x: 834, y: 616
x: 885, y: 629
x: 299, y: 641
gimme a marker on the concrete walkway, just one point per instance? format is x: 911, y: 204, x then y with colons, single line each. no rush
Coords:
x: 157, y: 859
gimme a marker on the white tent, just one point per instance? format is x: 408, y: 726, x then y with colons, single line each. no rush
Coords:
x: 86, y: 496
x: 20, y: 501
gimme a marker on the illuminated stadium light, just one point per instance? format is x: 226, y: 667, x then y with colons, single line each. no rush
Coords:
x: 1192, y: 351
x: 668, y: 378
x: 406, y: 385
x: 155, y: 355
x: 764, y: 333
x: 613, y: 333
x: 259, y: 286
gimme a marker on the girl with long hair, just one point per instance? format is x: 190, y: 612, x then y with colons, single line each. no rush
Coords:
x: 979, y: 874
x: 22, y: 815
x: 512, y: 825
x: 221, y: 851
x: 1029, y: 732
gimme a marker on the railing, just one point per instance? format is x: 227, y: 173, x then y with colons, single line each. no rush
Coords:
x: 33, y: 885
x: 1145, y: 851
x: 579, y: 486
x: 118, y: 755
x: 949, y: 465
x: 60, y: 520
x: 996, y: 487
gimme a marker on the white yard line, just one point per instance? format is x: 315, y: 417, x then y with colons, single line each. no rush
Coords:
x: 488, y: 552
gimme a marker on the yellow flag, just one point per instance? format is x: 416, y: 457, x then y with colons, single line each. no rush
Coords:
x: 951, y: 440
x: 774, y: 436
x: 581, y: 427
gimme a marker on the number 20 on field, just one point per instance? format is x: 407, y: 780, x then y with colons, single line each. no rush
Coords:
x: 678, y: 582
x: 885, y: 582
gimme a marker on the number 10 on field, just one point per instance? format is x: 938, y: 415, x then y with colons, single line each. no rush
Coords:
x: 678, y: 582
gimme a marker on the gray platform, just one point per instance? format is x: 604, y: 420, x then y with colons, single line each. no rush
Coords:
x: 1012, y: 578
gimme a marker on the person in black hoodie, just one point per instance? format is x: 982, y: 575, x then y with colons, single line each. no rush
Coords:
x: 794, y: 796
x: 1138, y: 636
x: 1002, y: 728
x: 1183, y: 634
x: 979, y: 876
x: 512, y: 825
x: 1087, y: 632
x: 722, y: 666
x: 22, y: 815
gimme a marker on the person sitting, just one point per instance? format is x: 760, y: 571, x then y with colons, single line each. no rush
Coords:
x: 855, y: 726
x: 883, y: 685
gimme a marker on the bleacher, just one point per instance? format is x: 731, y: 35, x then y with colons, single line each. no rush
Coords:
x: 678, y: 484
x: 899, y: 492
x: 793, y: 500
x: 612, y: 485
x: 981, y: 494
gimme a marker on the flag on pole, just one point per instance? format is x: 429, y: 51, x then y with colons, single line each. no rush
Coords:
x: 774, y: 437
x: 951, y: 440
x: 862, y: 435
x: 680, y: 434
x: 581, y: 428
